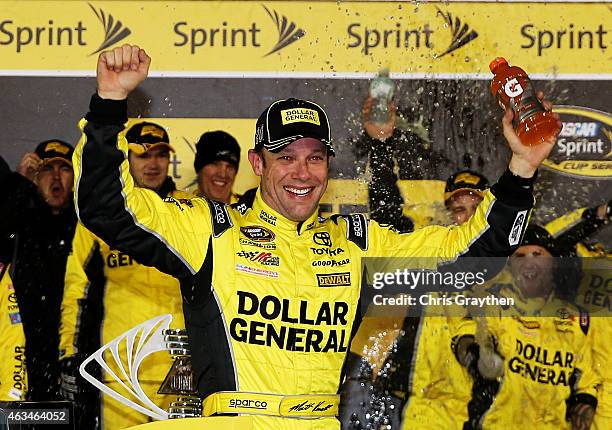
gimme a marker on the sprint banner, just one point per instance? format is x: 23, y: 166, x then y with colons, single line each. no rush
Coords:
x: 292, y: 38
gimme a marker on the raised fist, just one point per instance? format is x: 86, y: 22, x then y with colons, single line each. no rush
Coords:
x: 121, y: 70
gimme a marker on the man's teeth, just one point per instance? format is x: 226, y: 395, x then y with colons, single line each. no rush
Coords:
x: 530, y: 274
x: 219, y: 183
x: 298, y: 191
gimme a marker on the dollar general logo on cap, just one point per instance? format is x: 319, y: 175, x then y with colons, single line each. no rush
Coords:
x: 290, y: 116
x: 152, y: 130
x: 57, y: 147
x: 467, y: 178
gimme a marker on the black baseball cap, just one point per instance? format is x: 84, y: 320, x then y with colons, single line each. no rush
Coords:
x: 537, y: 235
x: 147, y: 135
x: 54, y: 149
x: 286, y: 121
x: 216, y: 146
x: 465, y: 181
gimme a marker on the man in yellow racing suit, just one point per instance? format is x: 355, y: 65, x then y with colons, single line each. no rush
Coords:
x: 13, y: 376
x: 270, y: 292
x: 544, y: 342
x: 130, y: 293
x: 594, y: 294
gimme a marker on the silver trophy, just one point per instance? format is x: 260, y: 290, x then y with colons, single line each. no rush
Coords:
x: 121, y: 358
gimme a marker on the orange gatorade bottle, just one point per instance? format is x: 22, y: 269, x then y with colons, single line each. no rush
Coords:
x: 512, y: 87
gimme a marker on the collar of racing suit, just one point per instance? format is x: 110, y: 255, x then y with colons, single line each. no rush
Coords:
x: 525, y: 306
x: 166, y: 188
x: 270, y: 216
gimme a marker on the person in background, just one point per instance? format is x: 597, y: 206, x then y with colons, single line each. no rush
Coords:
x: 463, y: 193
x: 38, y: 222
x: 572, y: 231
x: 216, y: 164
x: 540, y: 345
x: 103, y: 283
x: 389, y: 149
x: 417, y: 369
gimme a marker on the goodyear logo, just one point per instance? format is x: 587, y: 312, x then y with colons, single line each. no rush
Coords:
x: 334, y: 280
x: 290, y: 116
x: 584, y: 145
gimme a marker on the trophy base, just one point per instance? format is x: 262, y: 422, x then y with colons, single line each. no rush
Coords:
x: 185, y: 407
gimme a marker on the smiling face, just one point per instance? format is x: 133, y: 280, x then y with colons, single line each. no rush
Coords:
x: 532, y: 270
x: 215, y: 180
x: 462, y: 206
x: 54, y: 181
x: 294, y: 179
x: 150, y: 168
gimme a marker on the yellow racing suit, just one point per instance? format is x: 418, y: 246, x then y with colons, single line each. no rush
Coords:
x: 546, y: 343
x: 269, y: 304
x: 440, y: 388
x: 131, y: 294
x: 595, y: 295
x: 13, y: 376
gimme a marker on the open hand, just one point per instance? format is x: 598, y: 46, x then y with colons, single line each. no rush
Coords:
x: 29, y: 165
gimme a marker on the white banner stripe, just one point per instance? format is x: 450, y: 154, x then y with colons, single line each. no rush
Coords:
x: 306, y: 75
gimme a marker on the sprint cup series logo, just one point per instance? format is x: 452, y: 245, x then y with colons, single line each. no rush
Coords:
x: 49, y: 33
x: 584, y: 147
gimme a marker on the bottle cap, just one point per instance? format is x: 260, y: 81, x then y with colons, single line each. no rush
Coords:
x: 496, y: 63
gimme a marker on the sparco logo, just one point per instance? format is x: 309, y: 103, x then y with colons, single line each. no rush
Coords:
x: 257, y: 234
x: 249, y: 404
x: 226, y: 35
x: 322, y: 238
x: 51, y: 34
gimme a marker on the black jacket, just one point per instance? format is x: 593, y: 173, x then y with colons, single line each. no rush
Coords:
x: 39, y: 243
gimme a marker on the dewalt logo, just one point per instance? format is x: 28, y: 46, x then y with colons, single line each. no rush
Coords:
x: 54, y: 31
x: 225, y: 34
x: 334, y: 280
